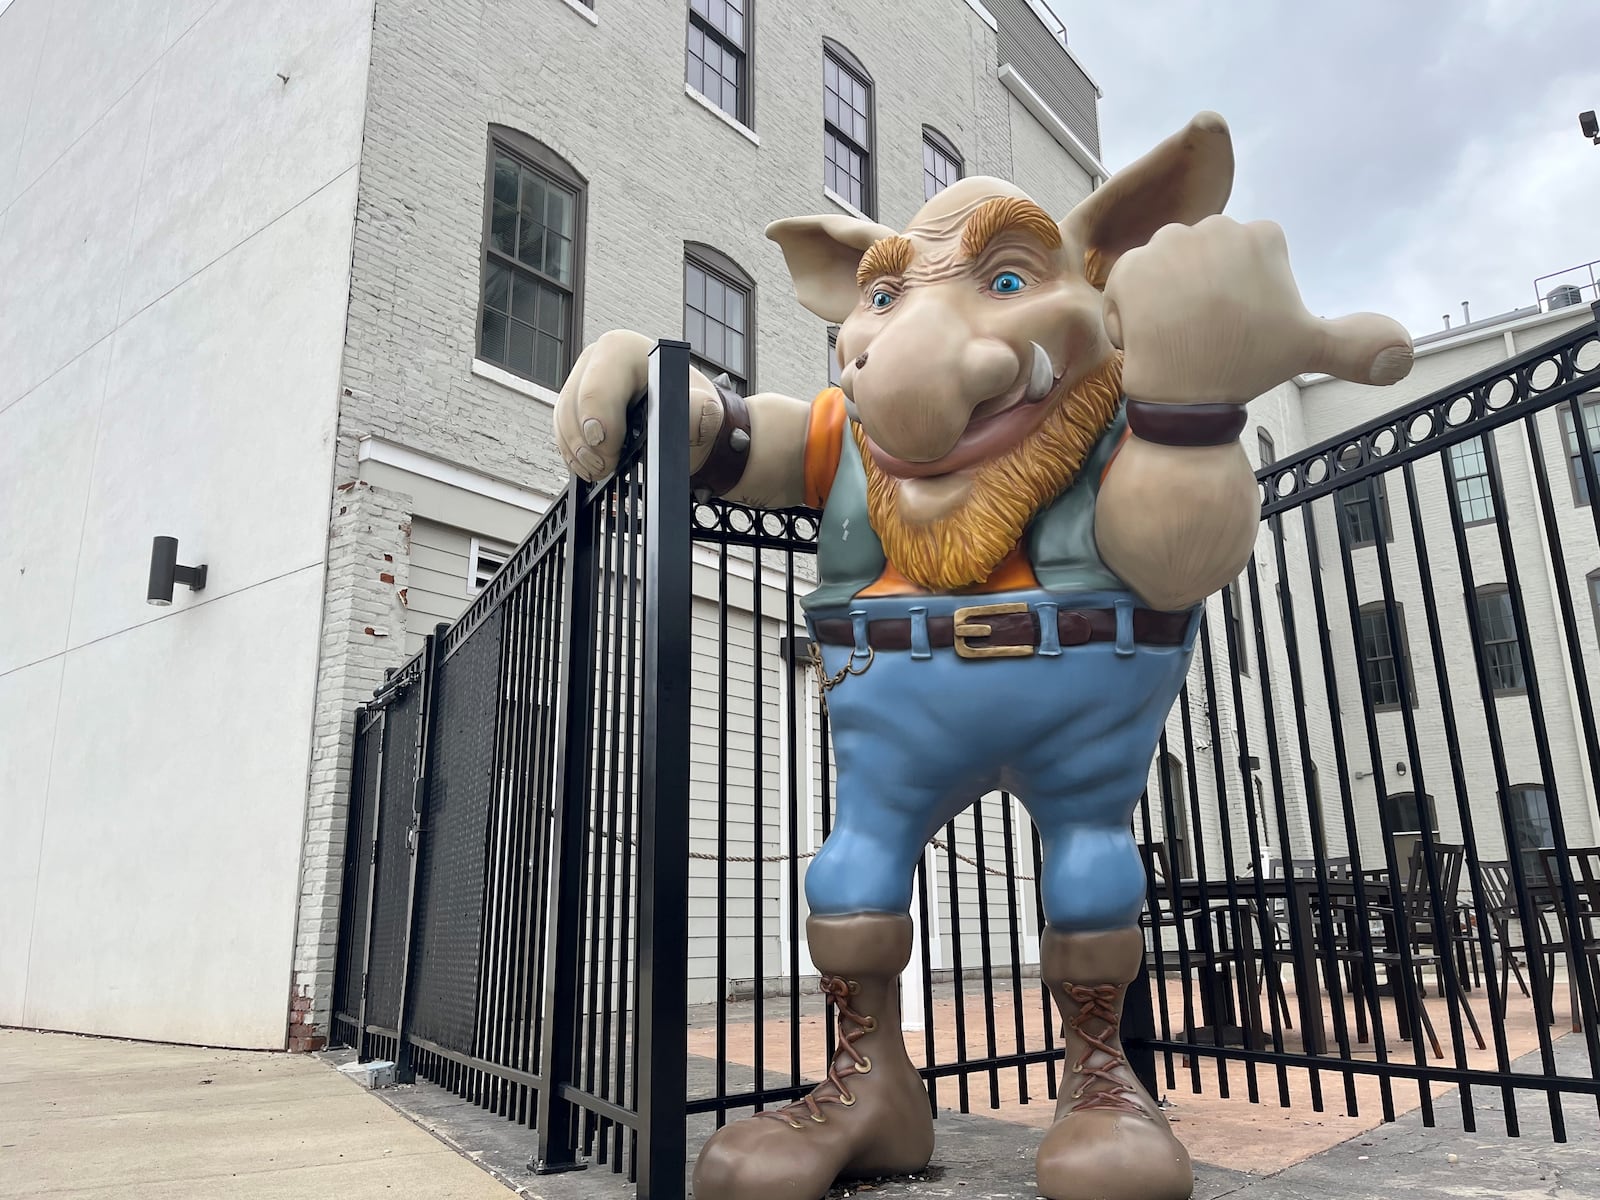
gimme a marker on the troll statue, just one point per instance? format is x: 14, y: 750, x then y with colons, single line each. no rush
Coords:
x: 1030, y: 477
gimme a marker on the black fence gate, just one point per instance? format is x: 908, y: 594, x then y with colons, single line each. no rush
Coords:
x: 580, y: 818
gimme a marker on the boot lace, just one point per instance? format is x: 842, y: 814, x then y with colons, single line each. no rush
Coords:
x: 853, y: 1026
x: 1099, y: 1004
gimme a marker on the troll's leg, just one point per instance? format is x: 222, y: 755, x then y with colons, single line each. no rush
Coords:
x: 1109, y: 1141
x: 870, y: 1116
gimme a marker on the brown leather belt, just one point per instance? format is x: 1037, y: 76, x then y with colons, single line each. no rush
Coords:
x: 1008, y: 630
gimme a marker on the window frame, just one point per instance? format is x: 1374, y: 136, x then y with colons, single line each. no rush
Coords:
x: 1266, y: 449
x: 1487, y: 591
x: 1584, y: 404
x: 725, y: 270
x: 477, y: 548
x: 1522, y: 792
x: 1486, y: 442
x: 1241, y: 649
x: 844, y: 60
x: 941, y: 145
x: 535, y: 155
x: 746, y: 115
x: 834, y: 369
x: 1424, y: 804
x: 1171, y: 776
x: 1378, y: 499
x: 1400, y: 655
x: 1593, y: 580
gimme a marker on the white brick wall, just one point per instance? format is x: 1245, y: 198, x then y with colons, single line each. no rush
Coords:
x: 662, y: 171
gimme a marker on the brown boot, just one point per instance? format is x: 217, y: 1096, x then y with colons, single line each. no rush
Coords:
x: 870, y: 1116
x: 1110, y: 1141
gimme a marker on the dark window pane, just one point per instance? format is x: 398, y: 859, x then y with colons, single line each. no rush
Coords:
x: 494, y: 336
x: 497, y: 287
x: 547, y: 365
x: 521, y: 356
x: 524, y: 298
x: 505, y: 181
x: 503, y: 228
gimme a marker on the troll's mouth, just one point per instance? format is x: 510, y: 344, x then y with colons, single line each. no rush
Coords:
x: 996, y: 426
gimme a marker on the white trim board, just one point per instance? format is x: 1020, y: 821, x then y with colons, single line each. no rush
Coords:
x: 415, y: 462
x: 1054, y: 125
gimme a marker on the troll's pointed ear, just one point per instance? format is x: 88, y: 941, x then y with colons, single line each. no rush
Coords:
x: 1183, y: 180
x: 823, y: 254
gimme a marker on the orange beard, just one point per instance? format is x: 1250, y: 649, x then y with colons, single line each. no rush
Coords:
x: 965, y: 547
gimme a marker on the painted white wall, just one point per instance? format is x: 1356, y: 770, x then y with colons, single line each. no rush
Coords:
x: 175, y: 229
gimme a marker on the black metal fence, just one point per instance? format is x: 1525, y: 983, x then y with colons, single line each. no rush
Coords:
x: 580, y: 819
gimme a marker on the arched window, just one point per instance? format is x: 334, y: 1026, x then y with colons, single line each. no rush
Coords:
x: 1407, y: 810
x: 719, y: 301
x: 1531, y: 823
x: 1384, y: 663
x: 1363, y: 506
x: 941, y: 162
x: 1498, y: 641
x: 847, y: 128
x: 530, y: 319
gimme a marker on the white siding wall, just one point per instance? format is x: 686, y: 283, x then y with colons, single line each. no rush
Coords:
x: 175, y: 230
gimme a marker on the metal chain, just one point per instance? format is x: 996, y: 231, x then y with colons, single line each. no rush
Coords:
x: 937, y: 843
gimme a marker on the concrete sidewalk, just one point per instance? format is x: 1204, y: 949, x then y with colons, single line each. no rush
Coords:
x: 94, y: 1117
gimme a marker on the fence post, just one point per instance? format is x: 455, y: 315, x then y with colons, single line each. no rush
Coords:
x: 370, y: 853
x: 556, y: 1147
x: 664, y: 783
x: 403, y: 1070
x: 1139, y: 1028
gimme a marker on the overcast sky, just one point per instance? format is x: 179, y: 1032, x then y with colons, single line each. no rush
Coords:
x: 1417, y: 153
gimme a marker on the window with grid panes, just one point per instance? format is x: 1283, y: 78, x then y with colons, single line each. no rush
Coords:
x: 1497, y: 634
x: 941, y: 162
x: 533, y: 261
x: 833, y: 355
x: 1383, y: 661
x: 1591, y: 427
x: 716, y: 319
x: 1364, y: 507
x: 719, y: 54
x: 846, y: 128
x: 1469, y: 469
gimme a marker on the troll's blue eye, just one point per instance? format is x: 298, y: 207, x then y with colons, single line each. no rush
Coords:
x: 1006, y: 283
x: 882, y: 299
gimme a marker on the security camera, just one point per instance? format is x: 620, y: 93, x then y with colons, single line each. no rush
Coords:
x: 1590, y: 127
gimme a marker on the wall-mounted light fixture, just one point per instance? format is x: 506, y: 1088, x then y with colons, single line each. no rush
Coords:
x: 165, y: 572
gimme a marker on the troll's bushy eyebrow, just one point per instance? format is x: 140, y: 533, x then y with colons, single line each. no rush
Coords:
x: 886, y: 256
x: 994, y: 217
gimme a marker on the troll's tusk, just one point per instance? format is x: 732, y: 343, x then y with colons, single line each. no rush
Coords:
x: 1041, y: 376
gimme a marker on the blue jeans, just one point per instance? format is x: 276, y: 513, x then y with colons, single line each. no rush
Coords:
x: 919, y: 737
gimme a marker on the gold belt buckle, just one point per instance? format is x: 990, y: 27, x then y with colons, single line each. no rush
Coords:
x: 964, y: 628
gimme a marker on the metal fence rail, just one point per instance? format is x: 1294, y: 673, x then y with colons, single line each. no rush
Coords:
x: 580, y: 819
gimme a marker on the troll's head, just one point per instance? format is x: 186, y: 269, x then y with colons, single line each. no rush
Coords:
x: 973, y: 347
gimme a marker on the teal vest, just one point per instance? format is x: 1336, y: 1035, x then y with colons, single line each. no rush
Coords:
x: 1060, y: 540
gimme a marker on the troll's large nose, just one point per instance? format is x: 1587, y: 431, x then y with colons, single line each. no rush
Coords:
x: 920, y: 378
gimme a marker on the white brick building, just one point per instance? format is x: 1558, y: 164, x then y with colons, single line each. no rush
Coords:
x: 268, y: 338
x: 259, y: 297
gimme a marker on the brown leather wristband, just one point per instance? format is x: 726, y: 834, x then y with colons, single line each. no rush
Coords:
x: 730, y: 453
x: 1185, y: 424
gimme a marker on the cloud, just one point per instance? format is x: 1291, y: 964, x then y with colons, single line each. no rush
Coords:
x: 1416, y: 154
